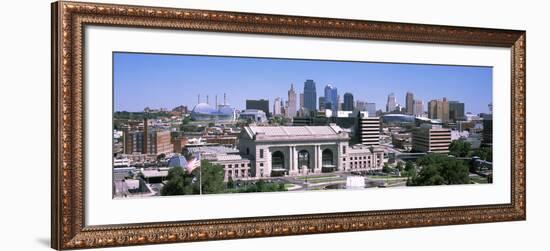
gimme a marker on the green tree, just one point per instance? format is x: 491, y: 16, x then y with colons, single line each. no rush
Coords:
x: 484, y: 153
x: 400, y: 166
x: 386, y: 168
x: 428, y: 176
x: 454, y: 172
x: 186, y: 120
x: 230, y: 183
x: 439, y: 169
x: 212, y: 177
x: 279, y: 120
x: 410, y: 170
x: 262, y: 186
x: 460, y: 148
x: 409, y: 166
x: 179, y: 183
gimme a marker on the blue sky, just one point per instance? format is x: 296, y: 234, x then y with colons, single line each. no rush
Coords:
x: 156, y: 80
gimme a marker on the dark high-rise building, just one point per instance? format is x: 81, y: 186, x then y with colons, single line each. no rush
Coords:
x: 310, y: 95
x: 331, y: 98
x: 321, y: 103
x: 409, y: 103
x: 260, y: 104
x: 348, y: 102
x: 456, y: 110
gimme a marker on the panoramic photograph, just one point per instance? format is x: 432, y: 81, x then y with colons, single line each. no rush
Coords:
x: 202, y: 125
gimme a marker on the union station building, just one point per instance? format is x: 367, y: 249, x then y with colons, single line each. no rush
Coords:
x: 301, y: 150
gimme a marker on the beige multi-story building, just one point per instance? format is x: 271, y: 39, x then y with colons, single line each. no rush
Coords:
x: 368, y: 129
x: 235, y: 166
x: 431, y: 139
x: 418, y: 107
x: 409, y: 103
x: 439, y: 109
x: 363, y: 158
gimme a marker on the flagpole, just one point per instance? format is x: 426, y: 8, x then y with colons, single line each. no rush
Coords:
x: 200, y: 172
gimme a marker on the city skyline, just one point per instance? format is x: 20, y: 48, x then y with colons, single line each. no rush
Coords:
x: 167, y: 81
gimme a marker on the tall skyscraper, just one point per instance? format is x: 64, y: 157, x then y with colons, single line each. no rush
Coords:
x: 331, y: 98
x: 418, y: 107
x: 260, y: 104
x: 456, y: 111
x: 371, y: 108
x: 391, y: 104
x: 301, y: 101
x: 277, y: 105
x: 291, y: 109
x: 409, y: 103
x: 348, y: 102
x: 310, y: 95
x: 439, y: 109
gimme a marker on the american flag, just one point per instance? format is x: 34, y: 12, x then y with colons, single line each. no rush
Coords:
x: 194, y: 163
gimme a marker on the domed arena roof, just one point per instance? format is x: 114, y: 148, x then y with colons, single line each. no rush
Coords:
x: 226, y: 110
x: 203, y: 108
x: 397, y: 118
x: 206, y: 112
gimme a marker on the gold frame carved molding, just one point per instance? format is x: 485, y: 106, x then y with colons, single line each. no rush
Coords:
x: 68, y: 225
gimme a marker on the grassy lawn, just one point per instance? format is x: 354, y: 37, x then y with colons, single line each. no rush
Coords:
x: 289, y: 185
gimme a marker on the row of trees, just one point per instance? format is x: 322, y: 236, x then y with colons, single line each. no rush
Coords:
x: 463, y: 148
x: 259, y: 186
x: 125, y: 115
x: 186, y: 126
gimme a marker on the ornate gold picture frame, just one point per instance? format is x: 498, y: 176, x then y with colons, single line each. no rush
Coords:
x: 69, y: 20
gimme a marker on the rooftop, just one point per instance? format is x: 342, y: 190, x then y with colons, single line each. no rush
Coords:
x: 154, y: 173
x: 295, y: 132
